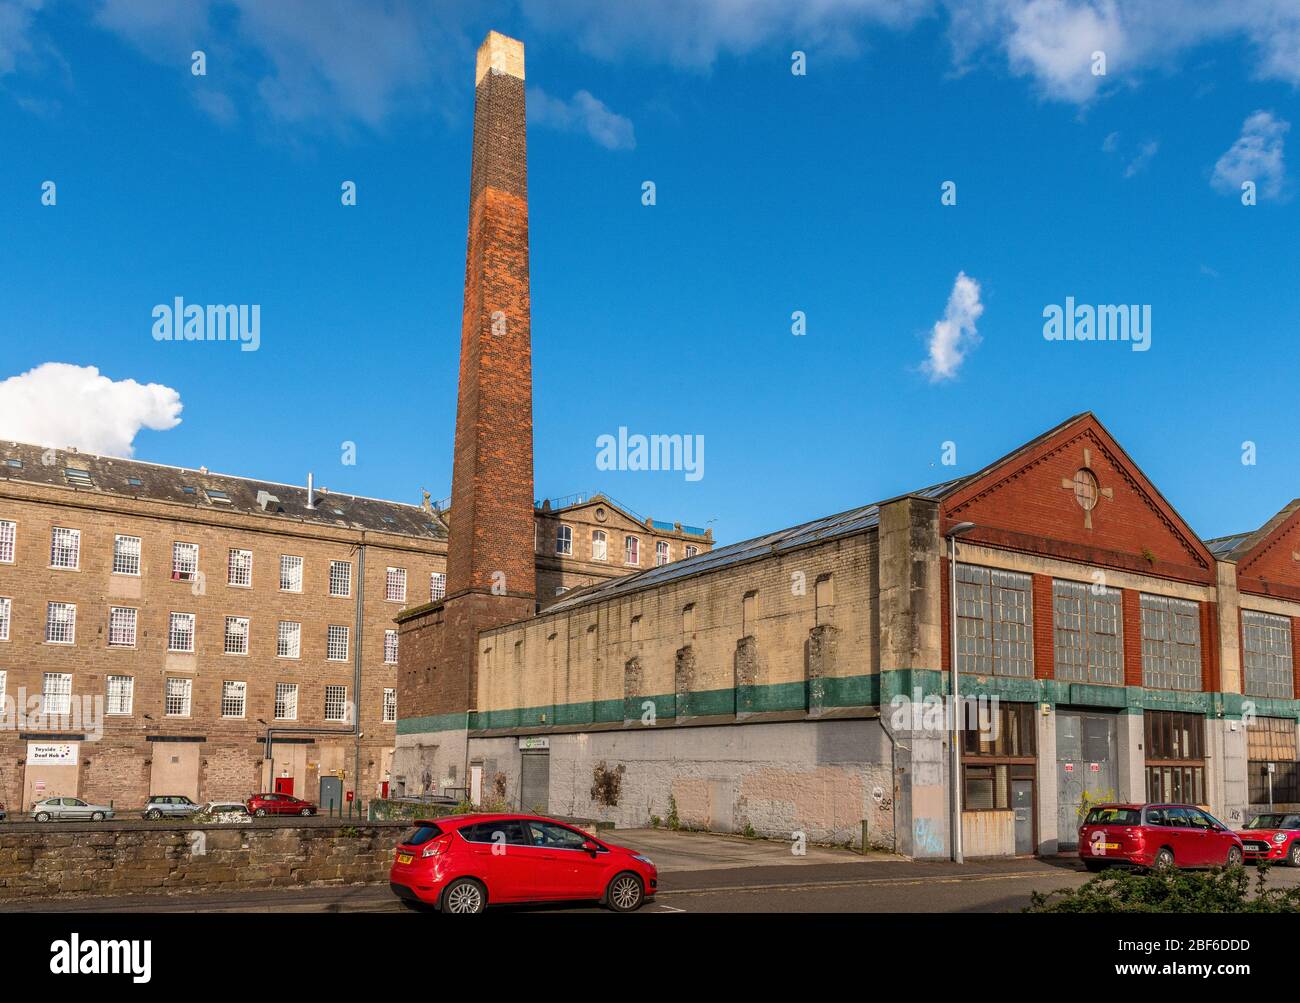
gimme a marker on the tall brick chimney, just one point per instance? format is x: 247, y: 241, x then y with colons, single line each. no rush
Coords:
x: 490, y: 542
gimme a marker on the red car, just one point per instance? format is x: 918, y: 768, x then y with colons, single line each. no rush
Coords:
x: 278, y: 804
x: 461, y: 863
x: 1156, y: 835
x: 1274, y: 835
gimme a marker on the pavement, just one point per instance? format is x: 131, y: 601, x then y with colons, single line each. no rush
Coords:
x: 700, y: 872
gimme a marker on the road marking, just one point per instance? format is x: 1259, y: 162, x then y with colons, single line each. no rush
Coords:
x: 809, y: 885
x: 668, y: 908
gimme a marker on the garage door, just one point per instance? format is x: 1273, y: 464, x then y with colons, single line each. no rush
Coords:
x: 535, y: 781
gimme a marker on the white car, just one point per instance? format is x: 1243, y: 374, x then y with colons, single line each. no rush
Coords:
x: 224, y: 811
x: 64, y: 809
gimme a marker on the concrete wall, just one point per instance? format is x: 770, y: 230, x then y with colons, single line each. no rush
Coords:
x: 76, y: 860
x: 821, y: 778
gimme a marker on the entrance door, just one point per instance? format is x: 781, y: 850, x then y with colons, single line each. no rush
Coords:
x: 1022, y: 803
x: 283, y: 785
x: 1087, y: 767
x: 331, y: 793
x: 535, y: 781
x: 475, y: 783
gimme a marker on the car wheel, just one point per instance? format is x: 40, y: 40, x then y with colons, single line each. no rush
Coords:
x: 154, y: 814
x: 260, y: 813
x: 305, y: 812
x: 1094, y: 865
x: 1164, y: 859
x: 42, y: 816
x: 1234, y: 857
x: 1293, y: 858
x: 464, y: 895
x: 97, y: 816
x: 625, y: 893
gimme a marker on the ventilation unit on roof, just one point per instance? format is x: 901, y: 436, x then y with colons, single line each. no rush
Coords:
x: 265, y: 501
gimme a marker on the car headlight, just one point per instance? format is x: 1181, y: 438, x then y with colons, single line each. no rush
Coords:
x: 1279, y: 837
x: 643, y: 859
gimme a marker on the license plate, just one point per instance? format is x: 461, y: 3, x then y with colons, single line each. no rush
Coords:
x: 1109, y: 846
x: 404, y: 858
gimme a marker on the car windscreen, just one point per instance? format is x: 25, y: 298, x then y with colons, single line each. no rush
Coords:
x: 1113, y: 816
x: 1275, y: 820
x: 421, y: 834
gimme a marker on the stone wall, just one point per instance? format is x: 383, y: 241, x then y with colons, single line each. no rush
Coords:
x: 79, y: 860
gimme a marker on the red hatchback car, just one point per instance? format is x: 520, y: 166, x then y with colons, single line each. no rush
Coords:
x: 1156, y: 835
x: 1274, y: 835
x: 278, y: 804
x: 461, y: 863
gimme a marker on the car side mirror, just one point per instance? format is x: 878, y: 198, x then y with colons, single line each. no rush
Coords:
x: 590, y: 847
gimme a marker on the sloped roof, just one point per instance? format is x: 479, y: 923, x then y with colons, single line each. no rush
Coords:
x: 1234, y: 548
x: 110, y: 475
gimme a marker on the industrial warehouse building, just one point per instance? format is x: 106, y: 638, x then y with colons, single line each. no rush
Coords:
x: 781, y: 685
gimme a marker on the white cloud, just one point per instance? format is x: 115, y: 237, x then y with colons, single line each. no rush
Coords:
x: 15, y: 28
x: 952, y: 338
x: 1255, y: 156
x: 1144, y: 155
x: 582, y: 113
x: 57, y: 404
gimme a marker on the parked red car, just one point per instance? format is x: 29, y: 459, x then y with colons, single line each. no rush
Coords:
x: 460, y: 864
x: 278, y: 804
x: 1274, y: 835
x: 1156, y: 835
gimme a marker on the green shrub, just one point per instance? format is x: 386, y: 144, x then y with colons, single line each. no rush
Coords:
x: 1224, y: 889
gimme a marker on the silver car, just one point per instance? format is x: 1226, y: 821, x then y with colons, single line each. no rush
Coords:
x: 169, y: 806
x: 67, y: 809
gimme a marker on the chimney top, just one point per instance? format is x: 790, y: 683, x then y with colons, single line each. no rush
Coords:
x: 501, y: 54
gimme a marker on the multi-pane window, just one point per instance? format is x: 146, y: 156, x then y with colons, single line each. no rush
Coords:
x: 288, y: 639
x: 1272, y: 773
x: 61, y: 622
x: 65, y: 547
x: 994, y: 632
x: 121, y: 627
x: 1088, y: 632
x: 286, y: 701
x: 390, y: 647
x: 564, y: 540
x: 1175, y: 752
x: 119, y: 694
x: 340, y: 578
x: 233, y: 693
x: 56, y: 693
x: 631, y: 550
x: 598, y: 545
x: 290, y: 573
x: 1171, y: 644
x: 236, y: 635
x: 177, y: 699
x: 185, y: 562
x: 390, y: 706
x: 995, y: 752
x: 8, y: 534
x: 3, y: 675
x: 180, y: 632
x: 126, y: 555
x: 691, y: 551
x: 336, y: 644
x: 395, y: 585
x: 6, y: 608
x: 239, y: 569
x: 1266, y: 641
x: 336, y: 703
x: 437, y: 586
x: 661, y: 553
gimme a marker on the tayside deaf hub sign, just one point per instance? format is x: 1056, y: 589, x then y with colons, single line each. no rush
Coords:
x: 51, y: 753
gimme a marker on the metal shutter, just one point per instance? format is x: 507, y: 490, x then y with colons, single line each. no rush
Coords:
x: 535, y: 781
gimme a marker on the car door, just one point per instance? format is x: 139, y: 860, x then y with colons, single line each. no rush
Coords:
x: 1218, y: 839
x: 76, y: 808
x: 502, y: 855
x: 1187, y: 837
x: 571, y: 872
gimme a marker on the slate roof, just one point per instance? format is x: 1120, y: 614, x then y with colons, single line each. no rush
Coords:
x: 93, y: 474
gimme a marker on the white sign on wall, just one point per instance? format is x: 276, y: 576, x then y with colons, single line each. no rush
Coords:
x: 534, y: 742
x: 52, y: 753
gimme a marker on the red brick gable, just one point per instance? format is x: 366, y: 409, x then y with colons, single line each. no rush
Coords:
x: 1027, y: 502
x: 1272, y: 565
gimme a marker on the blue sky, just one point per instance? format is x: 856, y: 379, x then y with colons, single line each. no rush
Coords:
x: 775, y: 193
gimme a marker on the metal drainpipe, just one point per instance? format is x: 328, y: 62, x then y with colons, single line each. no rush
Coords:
x: 355, y: 730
